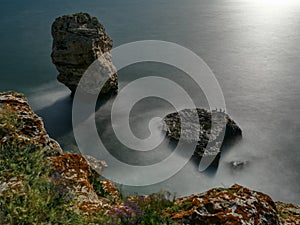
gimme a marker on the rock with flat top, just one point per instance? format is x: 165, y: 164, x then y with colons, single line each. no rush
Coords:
x: 79, y: 40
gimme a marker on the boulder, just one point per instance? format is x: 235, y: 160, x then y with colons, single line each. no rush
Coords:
x: 78, y: 41
x: 201, y: 132
x: 227, y: 206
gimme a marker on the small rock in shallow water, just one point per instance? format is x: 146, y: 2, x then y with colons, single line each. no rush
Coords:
x: 238, y: 164
x: 190, y: 131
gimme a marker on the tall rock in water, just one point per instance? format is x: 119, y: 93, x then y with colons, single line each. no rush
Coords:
x: 78, y: 40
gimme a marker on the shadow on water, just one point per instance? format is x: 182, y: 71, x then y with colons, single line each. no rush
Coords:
x: 230, y: 142
x: 212, y: 169
x: 58, y: 122
x: 57, y: 117
x: 227, y: 144
x: 194, y: 160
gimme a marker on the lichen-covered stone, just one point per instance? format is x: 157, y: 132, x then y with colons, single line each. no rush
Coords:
x: 95, y: 164
x: 72, y: 172
x: 13, y: 185
x: 20, y: 124
x: 289, y: 214
x: 226, y: 206
x: 190, y: 131
x: 78, y: 41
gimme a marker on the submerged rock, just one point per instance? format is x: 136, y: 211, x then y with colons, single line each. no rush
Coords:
x: 79, y: 40
x: 238, y: 164
x: 190, y: 131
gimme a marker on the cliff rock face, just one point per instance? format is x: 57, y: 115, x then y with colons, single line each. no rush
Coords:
x: 189, y: 131
x: 72, y: 172
x: 78, y: 40
x: 21, y: 124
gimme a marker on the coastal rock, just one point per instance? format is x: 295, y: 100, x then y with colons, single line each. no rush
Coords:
x: 230, y: 206
x: 238, y: 164
x: 93, y: 194
x: 78, y: 41
x: 73, y: 173
x: 95, y: 164
x: 201, y: 132
x: 77, y: 177
x: 289, y: 214
x: 20, y: 124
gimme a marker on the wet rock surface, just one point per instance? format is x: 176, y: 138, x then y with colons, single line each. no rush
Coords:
x: 78, y: 41
x: 184, y: 125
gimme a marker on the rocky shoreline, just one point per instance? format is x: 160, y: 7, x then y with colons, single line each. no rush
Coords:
x: 235, y: 205
x: 42, y: 184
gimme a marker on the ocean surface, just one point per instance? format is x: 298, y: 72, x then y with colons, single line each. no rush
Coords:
x: 252, y: 46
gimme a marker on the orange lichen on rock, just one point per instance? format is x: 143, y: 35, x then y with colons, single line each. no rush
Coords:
x: 289, y: 214
x: 19, y: 124
x: 110, y: 188
x: 12, y: 185
x: 73, y: 172
x: 235, y: 205
x: 78, y: 176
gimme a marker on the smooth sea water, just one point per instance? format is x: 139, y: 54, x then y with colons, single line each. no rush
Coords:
x: 252, y: 46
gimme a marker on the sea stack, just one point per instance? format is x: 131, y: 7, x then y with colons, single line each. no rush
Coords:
x: 78, y: 41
